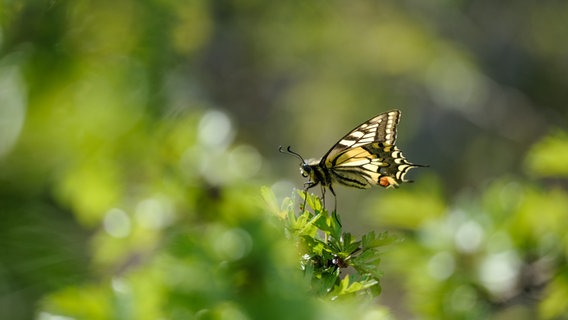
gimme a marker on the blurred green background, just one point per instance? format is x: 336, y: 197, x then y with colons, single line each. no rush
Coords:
x: 135, y: 136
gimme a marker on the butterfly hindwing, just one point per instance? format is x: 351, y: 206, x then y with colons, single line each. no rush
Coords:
x: 357, y: 168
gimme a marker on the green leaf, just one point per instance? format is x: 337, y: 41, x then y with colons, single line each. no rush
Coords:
x: 370, y: 240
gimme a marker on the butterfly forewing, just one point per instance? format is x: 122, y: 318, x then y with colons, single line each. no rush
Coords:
x: 380, y: 128
x: 367, y: 156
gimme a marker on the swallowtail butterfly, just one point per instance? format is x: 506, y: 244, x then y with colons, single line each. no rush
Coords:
x: 364, y: 157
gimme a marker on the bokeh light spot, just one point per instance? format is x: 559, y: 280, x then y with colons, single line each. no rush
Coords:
x: 233, y: 244
x: 244, y: 161
x: 117, y: 223
x: 215, y: 129
x: 499, y: 272
x: 49, y: 316
x: 441, y: 266
x: 154, y: 213
x: 468, y: 237
x: 120, y: 286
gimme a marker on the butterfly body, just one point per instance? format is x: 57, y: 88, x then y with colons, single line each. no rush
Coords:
x: 365, y: 157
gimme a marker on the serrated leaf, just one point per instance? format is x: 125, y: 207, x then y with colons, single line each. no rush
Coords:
x: 323, y: 223
x: 329, y: 282
x: 311, y: 200
x: 370, y: 240
x: 335, y: 225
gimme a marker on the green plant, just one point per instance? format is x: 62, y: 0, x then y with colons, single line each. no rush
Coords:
x: 335, y: 263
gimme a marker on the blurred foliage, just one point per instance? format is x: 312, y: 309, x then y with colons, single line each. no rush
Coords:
x: 499, y: 253
x: 135, y: 136
x: 548, y: 158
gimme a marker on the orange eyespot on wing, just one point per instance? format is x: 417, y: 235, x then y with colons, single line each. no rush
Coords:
x: 387, y: 182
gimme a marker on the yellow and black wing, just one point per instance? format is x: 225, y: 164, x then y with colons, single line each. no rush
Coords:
x: 367, y: 155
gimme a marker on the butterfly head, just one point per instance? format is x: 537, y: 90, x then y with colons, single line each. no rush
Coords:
x: 306, y: 166
x: 305, y: 169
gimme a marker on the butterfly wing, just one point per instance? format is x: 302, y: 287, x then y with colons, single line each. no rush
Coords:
x: 367, y: 156
x: 381, y: 128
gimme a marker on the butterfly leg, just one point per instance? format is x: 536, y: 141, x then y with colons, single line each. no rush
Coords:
x: 323, y: 196
x: 334, y: 213
x: 334, y: 197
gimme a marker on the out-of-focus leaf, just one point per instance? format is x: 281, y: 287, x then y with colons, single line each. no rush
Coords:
x: 548, y: 158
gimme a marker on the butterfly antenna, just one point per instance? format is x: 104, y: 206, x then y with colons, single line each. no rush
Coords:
x: 290, y: 152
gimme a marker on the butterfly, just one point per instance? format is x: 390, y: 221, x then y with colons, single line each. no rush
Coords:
x: 364, y: 157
